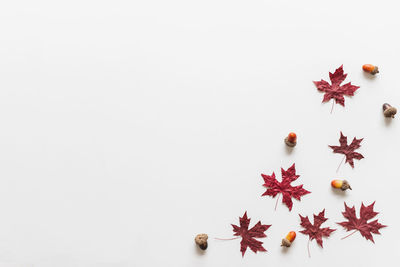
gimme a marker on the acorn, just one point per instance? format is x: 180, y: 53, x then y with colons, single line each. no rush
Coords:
x: 291, y: 140
x: 288, y: 240
x: 370, y: 69
x: 388, y: 110
x: 341, y: 184
x: 201, y: 241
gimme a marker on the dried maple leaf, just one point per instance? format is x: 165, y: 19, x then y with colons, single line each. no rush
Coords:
x: 362, y: 225
x: 348, y: 150
x: 314, y: 231
x: 335, y: 90
x: 284, y: 187
x: 248, y: 236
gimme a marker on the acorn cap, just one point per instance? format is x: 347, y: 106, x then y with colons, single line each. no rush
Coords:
x: 286, y: 243
x: 390, y: 112
x: 291, y: 144
x: 375, y: 70
x: 345, y: 185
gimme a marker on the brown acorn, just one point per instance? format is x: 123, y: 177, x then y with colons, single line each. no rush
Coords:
x: 388, y: 110
x: 201, y: 241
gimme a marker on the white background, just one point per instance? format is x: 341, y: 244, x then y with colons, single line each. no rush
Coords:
x: 127, y: 127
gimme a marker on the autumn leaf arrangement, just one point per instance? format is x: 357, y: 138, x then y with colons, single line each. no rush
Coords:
x: 315, y: 231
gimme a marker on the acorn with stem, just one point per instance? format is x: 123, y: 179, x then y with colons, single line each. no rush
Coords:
x: 371, y: 69
x: 288, y: 240
x: 341, y: 184
x: 388, y: 110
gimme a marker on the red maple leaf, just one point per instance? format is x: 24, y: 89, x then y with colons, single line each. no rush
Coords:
x: 274, y: 187
x: 362, y: 225
x: 314, y: 231
x: 248, y: 236
x: 335, y: 90
x: 348, y: 150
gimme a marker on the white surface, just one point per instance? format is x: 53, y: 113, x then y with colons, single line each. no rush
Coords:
x: 127, y: 127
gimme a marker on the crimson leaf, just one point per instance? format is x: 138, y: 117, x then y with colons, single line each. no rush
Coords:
x: 361, y: 224
x: 348, y: 150
x: 248, y: 236
x: 314, y: 231
x: 274, y: 187
x: 335, y: 90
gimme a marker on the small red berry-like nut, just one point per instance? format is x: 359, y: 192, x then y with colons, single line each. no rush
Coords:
x: 291, y: 139
x: 288, y: 240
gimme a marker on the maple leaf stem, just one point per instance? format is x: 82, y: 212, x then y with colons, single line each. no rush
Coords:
x: 308, y: 248
x: 340, y: 164
x: 226, y: 239
x: 333, y: 104
x: 349, y: 235
x: 276, y: 203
